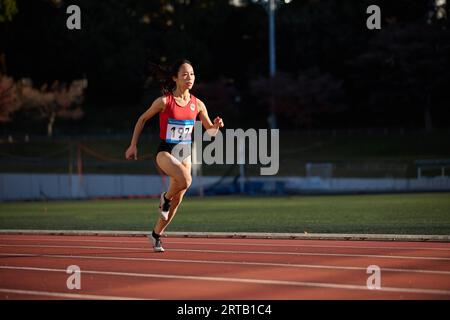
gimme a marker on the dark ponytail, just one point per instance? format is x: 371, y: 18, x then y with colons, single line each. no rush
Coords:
x: 164, y: 75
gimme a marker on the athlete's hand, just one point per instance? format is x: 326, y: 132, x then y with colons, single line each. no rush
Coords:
x: 218, y: 123
x: 131, y: 153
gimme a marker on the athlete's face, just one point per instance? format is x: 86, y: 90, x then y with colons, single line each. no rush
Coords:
x: 186, y: 77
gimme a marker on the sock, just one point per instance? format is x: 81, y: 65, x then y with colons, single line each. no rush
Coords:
x: 154, y: 235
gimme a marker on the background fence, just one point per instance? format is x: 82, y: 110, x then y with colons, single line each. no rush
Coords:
x: 35, y: 167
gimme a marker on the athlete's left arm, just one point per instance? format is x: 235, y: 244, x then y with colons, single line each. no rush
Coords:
x: 211, y: 128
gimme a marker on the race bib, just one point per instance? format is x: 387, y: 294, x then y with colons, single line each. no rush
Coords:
x: 179, y: 131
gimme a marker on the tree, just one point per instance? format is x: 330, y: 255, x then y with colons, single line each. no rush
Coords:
x: 221, y: 99
x: 8, y: 9
x: 408, y: 72
x: 303, y: 101
x: 58, y: 101
x: 8, y: 98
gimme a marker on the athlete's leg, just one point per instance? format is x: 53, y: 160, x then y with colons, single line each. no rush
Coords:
x: 161, y: 224
x: 180, y: 174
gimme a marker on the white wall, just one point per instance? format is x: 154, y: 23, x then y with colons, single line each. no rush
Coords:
x: 27, y: 186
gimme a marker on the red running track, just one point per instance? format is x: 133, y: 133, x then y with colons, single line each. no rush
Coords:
x: 34, y: 267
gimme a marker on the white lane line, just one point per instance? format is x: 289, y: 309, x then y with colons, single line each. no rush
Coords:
x: 317, y: 254
x: 241, y: 280
x: 308, y: 245
x: 243, y: 263
x: 169, y: 241
x: 238, y: 252
x: 65, y: 295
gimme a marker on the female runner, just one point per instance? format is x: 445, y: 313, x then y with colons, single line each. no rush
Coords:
x: 178, y: 110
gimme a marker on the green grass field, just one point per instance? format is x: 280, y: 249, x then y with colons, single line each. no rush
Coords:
x: 425, y: 213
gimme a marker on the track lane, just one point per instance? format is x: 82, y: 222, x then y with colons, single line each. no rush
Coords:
x: 178, y: 264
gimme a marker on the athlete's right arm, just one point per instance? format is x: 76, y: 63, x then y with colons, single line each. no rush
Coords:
x: 157, y: 106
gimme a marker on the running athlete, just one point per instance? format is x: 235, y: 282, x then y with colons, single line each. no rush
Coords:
x: 177, y: 109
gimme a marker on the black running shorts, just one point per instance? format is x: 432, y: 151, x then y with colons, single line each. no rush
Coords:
x: 179, y: 150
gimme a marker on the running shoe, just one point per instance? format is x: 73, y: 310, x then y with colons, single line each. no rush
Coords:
x: 157, y: 244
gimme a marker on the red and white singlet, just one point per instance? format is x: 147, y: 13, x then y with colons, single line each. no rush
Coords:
x: 176, y: 123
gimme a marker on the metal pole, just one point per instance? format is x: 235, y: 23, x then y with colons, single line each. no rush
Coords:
x: 272, y: 61
x: 272, y: 57
x: 241, y: 161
